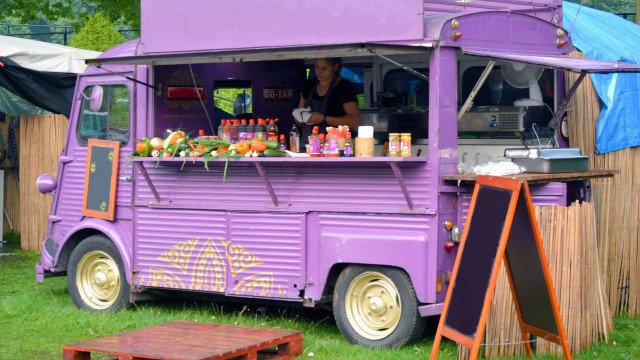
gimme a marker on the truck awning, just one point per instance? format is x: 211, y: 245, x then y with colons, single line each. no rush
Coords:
x: 264, y: 54
x: 563, y: 62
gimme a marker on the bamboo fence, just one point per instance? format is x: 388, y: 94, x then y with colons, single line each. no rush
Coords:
x: 617, y: 202
x: 45, y: 136
x: 11, y: 191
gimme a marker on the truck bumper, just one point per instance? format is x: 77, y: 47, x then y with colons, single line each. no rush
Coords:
x: 431, y: 309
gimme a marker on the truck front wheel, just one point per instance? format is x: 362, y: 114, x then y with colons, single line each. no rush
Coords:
x: 95, y: 276
x: 377, y: 307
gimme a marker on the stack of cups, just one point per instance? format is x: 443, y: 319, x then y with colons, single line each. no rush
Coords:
x: 364, y: 141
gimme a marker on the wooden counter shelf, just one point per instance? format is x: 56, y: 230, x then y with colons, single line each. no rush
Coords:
x: 533, y: 178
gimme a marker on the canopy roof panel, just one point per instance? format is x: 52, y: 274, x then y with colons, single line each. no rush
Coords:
x: 562, y: 62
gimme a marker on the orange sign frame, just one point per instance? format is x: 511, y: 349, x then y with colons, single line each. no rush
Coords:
x: 474, y: 342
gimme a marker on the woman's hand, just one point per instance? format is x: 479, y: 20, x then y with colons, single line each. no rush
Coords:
x: 316, y: 118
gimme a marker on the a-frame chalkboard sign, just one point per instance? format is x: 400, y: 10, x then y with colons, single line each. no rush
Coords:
x: 101, y: 178
x: 501, y: 225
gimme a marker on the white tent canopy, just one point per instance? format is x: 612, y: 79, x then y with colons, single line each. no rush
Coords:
x: 42, y: 56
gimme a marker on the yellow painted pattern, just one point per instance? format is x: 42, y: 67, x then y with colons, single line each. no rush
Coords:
x: 239, y: 259
x: 180, y: 254
x: 208, y: 269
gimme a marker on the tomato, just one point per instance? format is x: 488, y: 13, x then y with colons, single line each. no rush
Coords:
x: 243, y: 147
x: 258, y: 145
x: 143, y: 148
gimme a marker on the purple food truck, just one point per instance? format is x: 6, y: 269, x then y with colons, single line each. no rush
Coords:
x: 372, y: 237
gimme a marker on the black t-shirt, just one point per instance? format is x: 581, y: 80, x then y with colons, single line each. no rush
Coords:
x: 343, y: 92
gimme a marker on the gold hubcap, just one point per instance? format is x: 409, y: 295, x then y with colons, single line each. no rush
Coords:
x: 373, y: 305
x: 98, y: 279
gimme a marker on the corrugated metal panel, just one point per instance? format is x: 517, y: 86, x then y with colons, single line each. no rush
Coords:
x: 267, y: 254
x: 180, y: 249
x: 71, y: 188
x: 346, y: 187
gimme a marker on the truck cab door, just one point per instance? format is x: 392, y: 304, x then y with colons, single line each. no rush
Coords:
x: 113, y: 119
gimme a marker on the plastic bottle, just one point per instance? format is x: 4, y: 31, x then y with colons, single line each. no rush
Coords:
x: 234, y: 131
x: 251, y: 128
x: 294, y: 139
x: 200, y: 134
x: 242, y: 130
x: 283, y: 143
x: 332, y: 146
x: 314, y: 143
x: 227, y: 131
x: 348, y: 147
x: 272, y: 130
x: 221, y: 129
x: 323, y: 145
x: 261, y: 130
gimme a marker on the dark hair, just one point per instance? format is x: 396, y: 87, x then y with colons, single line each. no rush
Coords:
x: 333, y: 61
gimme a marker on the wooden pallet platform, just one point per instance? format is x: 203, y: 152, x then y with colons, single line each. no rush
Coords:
x: 188, y: 340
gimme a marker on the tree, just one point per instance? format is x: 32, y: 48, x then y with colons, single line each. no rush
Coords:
x: 71, y: 12
x: 98, y: 34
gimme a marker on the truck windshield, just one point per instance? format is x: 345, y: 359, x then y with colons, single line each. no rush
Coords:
x: 111, y: 121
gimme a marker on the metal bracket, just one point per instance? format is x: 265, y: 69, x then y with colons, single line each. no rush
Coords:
x: 267, y: 183
x: 555, y: 120
x: 403, y: 186
x: 147, y: 179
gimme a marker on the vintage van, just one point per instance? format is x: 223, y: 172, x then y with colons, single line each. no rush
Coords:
x: 372, y: 237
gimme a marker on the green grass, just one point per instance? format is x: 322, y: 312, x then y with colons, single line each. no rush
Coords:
x: 38, y: 319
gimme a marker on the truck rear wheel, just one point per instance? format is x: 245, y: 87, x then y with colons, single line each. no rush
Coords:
x: 377, y: 307
x: 95, y: 276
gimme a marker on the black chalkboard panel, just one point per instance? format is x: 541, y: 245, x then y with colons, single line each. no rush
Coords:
x: 527, y: 272
x: 501, y: 225
x: 478, y: 259
x: 101, y: 178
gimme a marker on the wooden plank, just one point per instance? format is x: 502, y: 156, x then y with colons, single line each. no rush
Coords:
x: 193, y: 340
x: 541, y: 177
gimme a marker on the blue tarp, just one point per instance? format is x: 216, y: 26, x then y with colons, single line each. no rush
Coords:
x: 605, y: 36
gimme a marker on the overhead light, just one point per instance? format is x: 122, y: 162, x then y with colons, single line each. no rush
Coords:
x: 464, y: 1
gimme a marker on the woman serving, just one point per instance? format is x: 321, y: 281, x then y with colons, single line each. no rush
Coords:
x: 332, y: 99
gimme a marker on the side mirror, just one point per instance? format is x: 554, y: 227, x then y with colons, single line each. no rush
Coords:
x: 46, y: 184
x: 95, y: 102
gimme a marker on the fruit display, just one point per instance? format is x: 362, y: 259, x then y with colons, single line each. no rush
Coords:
x: 178, y: 144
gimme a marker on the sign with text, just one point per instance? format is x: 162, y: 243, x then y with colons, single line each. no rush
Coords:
x: 277, y: 94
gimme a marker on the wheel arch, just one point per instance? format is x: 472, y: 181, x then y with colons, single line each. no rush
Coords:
x: 91, y: 227
x: 337, y: 269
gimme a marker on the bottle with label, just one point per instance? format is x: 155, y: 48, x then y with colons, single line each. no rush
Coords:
x: 242, y: 130
x: 405, y: 144
x: 251, y: 128
x: 348, y: 146
x: 234, y: 130
x: 283, y: 144
x: 294, y: 139
x: 323, y: 145
x: 227, y: 131
x: 314, y: 143
x: 333, y: 146
x: 272, y: 130
x: 261, y: 130
x: 221, y: 129
x: 394, y: 145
